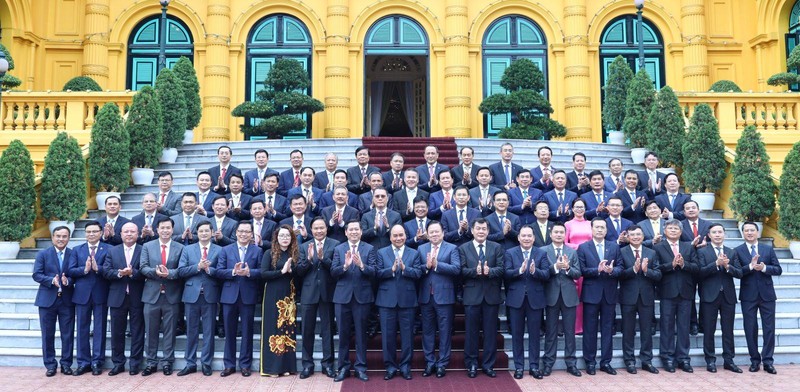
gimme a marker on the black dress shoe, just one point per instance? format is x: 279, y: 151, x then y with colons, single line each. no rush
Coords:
x: 362, y: 376
x: 610, y: 370
x: 732, y: 367
x: 207, y: 370
x: 686, y: 367
x: 770, y: 369
x: 407, y: 375
x: 668, y: 366
x: 547, y: 371
x: 518, y: 374
x: 220, y: 333
x: 82, y: 369
x: 187, y: 371
x: 536, y: 373
x: 50, y: 372
x: 573, y: 370
x: 472, y: 372
x: 650, y: 368
x: 306, y: 373
x: 694, y: 330
x: 116, y: 370
x: 167, y: 369
x: 343, y: 373
x: 653, y: 331
x: 97, y: 370
x: 490, y: 372
x: 67, y: 371
x: 754, y: 367
x: 631, y: 368
x: 389, y: 374
x: 711, y: 368
x: 440, y: 372
x: 227, y: 372
x: 591, y: 370
x: 133, y: 371
x: 149, y: 370
x: 329, y: 372
x: 246, y: 372
x: 429, y: 369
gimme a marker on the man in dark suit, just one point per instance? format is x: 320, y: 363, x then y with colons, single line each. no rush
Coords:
x: 358, y: 176
x: 465, y: 173
x: 185, y: 230
x: 456, y: 220
x: 601, y: 267
x: 757, y: 294
x: 375, y: 224
x: 161, y: 295
x: 397, y: 271
x: 526, y: 271
x: 443, y: 199
x: 290, y: 177
x: 147, y: 221
x: 324, y: 179
x: 672, y: 200
x: 276, y: 207
x: 633, y: 199
x: 54, y: 300
x: 316, y: 296
x: 615, y: 181
x: 650, y: 180
x: 90, y: 299
x: 393, y: 178
x: 597, y: 198
x: 617, y: 225
x: 637, y: 295
x: 577, y: 179
x: 416, y: 232
x: 354, y: 264
x: 695, y: 230
x: 678, y: 264
x: 204, y: 195
x: 239, y: 266
x: 169, y: 201
x: 201, y: 297
x: 541, y: 226
x: 112, y: 222
x: 223, y: 227
x: 523, y: 197
x: 559, y: 198
x: 480, y: 196
x: 437, y: 297
x: 262, y: 227
x: 403, y: 199
x: 306, y: 190
x: 429, y: 172
x: 221, y: 174
x: 503, y: 225
x: 365, y: 199
x: 482, y: 272
x: 504, y: 173
x: 542, y: 175
x: 238, y: 201
x: 339, y: 179
x: 121, y: 267
x: 299, y: 220
x: 253, y: 179
x: 336, y: 215
x: 718, y: 266
x: 653, y: 226
x: 562, y: 298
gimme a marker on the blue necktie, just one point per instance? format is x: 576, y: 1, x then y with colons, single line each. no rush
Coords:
x: 60, y: 260
x: 672, y: 201
x: 299, y: 223
x: 753, y: 251
x: 599, y: 198
x: 600, y: 253
x: 524, y: 194
x: 508, y: 173
x: 481, y: 255
x: 461, y: 215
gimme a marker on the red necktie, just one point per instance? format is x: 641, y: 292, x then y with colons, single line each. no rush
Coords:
x: 297, y: 178
x: 694, y: 229
x: 205, y: 252
x: 163, y: 195
x: 163, y: 255
x: 224, y: 170
x: 636, y: 254
x: 91, y: 251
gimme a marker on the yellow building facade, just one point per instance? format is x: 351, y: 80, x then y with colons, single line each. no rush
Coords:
x: 439, y: 57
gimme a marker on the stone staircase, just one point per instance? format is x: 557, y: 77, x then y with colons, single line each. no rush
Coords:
x: 20, y: 335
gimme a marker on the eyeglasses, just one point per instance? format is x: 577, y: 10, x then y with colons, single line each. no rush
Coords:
x: 284, y: 236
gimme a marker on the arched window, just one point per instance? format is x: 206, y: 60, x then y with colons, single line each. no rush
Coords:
x: 507, y: 39
x: 619, y: 38
x: 793, y: 36
x: 143, y: 49
x: 274, y: 37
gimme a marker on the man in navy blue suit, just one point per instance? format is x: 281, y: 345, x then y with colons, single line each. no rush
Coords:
x: 299, y: 220
x: 90, y: 298
x: 393, y: 178
x: 262, y: 227
x: 147, y: 221
x: 616, y: 224
x: 695, y: 230
x: 403, y: 199
x: 615, y: 181
x: 358, y: 176
x: 437, y: 297
x: 307, y: 190
x: 577, y: 180
x: 523, y: 197
x: 238, y: 201
x: 337, y: 214
x: 54, y: 300
x: 542, y: 175
x: 339, y: 179
x: 650, y: 180
x: 324, y: 179
x: 757, y: 293
x: 465, y: 173
x: 443, y: 199
x: 597, y: 198
x: 354, y: 264
x: 398, y: 269
x: 253, y: 179
x: 541, y: 226
x: 112, y: 222
x: 526, y: 271
x: 559, y: 198
x: 416, y: 233
x: 290, y: 177
x: 480, y: 196
x: 239, y: 267
x: 456, y: 220
x: 205, y: 196
x: 221, y: 174
x: 633, y: 199
x: 503, y: 225
x: 375, y: 224
x: 122, y: 269
x: 504, y: 172
x: 672, y: 200
x: 601, y: 267
x: 276, y: 207
x: 429, y: 172
x: 365, y: 199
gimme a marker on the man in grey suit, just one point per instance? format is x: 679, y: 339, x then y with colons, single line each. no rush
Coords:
x: 185, y: 230
x: 169, y: 202
x: 562, y: 298
x: 223, y: 227
x: 161, y: 296
x: 200, y: 296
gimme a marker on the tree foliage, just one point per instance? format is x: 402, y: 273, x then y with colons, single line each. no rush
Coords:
x: 529, y: 109
x: 9, y: 81
x: 173, y: 108
x: 703, y: 152
x: 145, y: 129
x: 615, y: 94
x: 63, y: 190
x: 789, y: 197
x: 638, y: 104
x: 792, y: 65
x: 278, y: 107
x: 753, y: 191
x: 666, y: 128
x: 109, y: 151
x: 724, y: 86
x: 185, y: 73
x: 82, y: 83
x: 17, y: 210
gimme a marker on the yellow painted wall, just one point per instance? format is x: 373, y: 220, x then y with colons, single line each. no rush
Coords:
x: 705, y: 40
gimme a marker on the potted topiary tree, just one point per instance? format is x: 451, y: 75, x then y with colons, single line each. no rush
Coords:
x: 790, y: 78
x: 615, y: 92
x: 789, y: 200
x: 8, y: 81
x: 63, y: 190
x: 666, y: 129
x: 724, y: 86
x: 17, y: 209
x: 753, y: 190
x: 703, y: 157
x: 109, y: 154
x: 144, y: 127
x: 184, y: 72
x: 173, y: 112
x: 638, y: 104
x: 81, y: 83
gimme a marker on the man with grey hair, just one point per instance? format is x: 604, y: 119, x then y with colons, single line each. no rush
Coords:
x: 324, y: 179
x: 148, y: 220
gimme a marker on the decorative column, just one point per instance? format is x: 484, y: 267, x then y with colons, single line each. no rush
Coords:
x: 337, y: 71
x: 577, y: 104
x: 695, y: 54
x: 457, y: 99
x: 215, y: 89
x: 95, y: 47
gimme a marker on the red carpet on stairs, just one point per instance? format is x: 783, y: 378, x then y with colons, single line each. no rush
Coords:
x: 382, y: 148
x: 454, y: 381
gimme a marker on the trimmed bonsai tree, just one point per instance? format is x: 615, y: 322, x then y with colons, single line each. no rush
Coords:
x: 173, y: 108
x: 666, y: 128
x: 638, y: 104
x: 9, y: 81
x: 725, y: 86
x: 615, y: 93
x: 753, y: 190
x: 792, y: 64
x: 281, y: 103
x: 186, y: 76
x: 63, y: 190
x: 703, y: 152
x: 82, y: 83
x: 789, y: 197
x: 144, y: 127
x: 17, y: 210
x: 529, y: 109
x: 109, y: 152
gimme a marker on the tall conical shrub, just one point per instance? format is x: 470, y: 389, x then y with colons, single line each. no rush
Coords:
x: 185, y: 73
x: 615, y: 92
x: 753, y: 191
x: 704, y: 152
x: 638, y: 104
x: 666, y: 128
x: 109, y: 151
x: 173, y: 108
x: 789, y: 197
x: 145, y: 128
x: 17, y: 195
x: 63, y: 190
